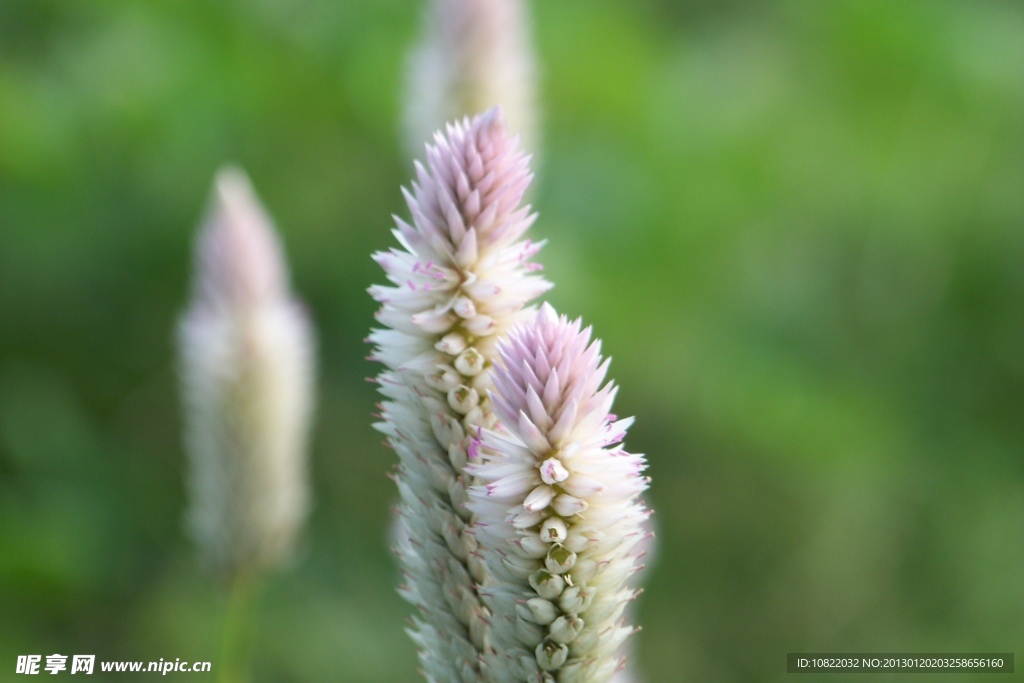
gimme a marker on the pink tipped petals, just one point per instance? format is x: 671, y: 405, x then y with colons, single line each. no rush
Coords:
x: 455, y: 284
x: 582, y: 504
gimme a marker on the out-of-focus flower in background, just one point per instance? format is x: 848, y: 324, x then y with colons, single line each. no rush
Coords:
x: 247, y: 376
x: 473, y: 55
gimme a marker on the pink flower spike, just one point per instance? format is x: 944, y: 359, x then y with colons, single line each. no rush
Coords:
x: 455, y: 287
x: 578, y: 518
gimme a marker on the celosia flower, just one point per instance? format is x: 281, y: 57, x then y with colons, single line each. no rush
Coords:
x: 474, y: 55
x: 460, y: 279
x: 558, y: 508
x: 246, y: 356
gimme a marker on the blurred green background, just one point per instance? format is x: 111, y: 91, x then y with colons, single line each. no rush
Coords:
x: 798, y: 227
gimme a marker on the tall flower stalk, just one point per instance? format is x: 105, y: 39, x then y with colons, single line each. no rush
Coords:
x: 474, y: 55
x: 458, y: 281
x: 246, y: 365
x: 558, y: 507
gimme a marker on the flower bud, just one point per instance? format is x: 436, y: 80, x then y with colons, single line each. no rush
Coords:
x: 444, y: 379
x: 462, y: 399
x: 480, y: 325
x: 470, y: 362
x: 537, y: 611
x: 565, y: 628
x: 547, y: 585
x: 567, y: 506
x: 559, y: 560
x: 532, y: 546
x: 452, y: 343
x: 539, y: 498
x: 553, y: 530
x: 576, y: 599
x: 464, y: 307
x: 551, y: 655
x: 552, y: 471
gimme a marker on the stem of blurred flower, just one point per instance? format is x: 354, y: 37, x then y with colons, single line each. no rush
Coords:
x: 239, y: 628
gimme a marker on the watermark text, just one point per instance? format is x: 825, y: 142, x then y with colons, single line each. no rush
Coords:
x: 86, y: 664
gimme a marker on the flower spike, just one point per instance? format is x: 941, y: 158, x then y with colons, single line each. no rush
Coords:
x: 247, y: 366
x: 558, y: 508
x: 460, y: 278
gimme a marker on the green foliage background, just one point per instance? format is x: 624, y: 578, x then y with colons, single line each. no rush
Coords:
x: 797, y: 225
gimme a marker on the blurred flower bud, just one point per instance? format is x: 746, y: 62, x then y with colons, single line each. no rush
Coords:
x: 247, y: 374
x: 474, y: 55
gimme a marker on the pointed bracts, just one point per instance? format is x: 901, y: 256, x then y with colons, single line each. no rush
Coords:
x: 558, y: 509
x: 460, y: 277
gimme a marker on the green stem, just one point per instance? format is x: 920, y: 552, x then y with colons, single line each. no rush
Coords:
x: 239, y: 622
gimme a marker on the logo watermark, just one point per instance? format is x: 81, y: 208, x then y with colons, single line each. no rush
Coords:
x: 86, y: 664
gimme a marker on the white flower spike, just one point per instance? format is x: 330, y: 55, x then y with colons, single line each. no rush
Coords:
x: 459, y: 280
x: 474, y: 55
x: 558, y: 508
x: 247, y: 373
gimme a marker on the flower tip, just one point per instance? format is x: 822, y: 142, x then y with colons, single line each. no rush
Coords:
x: 493, y: 116
x: 491, y: 123
x: 235, y: 198
x: 239, y: 256
x: 231, y: 181
x: 547, y: 314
